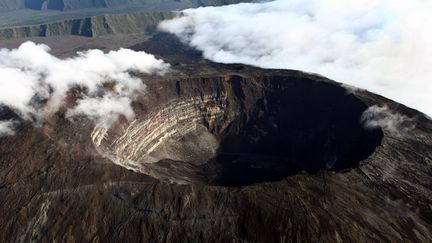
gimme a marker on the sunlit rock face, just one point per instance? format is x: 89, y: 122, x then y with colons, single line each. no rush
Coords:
x: 163, y: 134
x: 233, y: 130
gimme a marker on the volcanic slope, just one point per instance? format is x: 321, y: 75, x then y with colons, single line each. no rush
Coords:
x: 221, y: 153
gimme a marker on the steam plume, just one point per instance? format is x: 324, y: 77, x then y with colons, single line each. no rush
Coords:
x: 382, y: 117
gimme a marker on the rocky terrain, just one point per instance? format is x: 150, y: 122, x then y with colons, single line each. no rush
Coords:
x: 222, y: 153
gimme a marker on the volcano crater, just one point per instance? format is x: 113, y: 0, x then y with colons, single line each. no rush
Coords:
x: 237, y: 131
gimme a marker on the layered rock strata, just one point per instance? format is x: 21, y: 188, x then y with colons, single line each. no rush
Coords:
x: 141, y: 139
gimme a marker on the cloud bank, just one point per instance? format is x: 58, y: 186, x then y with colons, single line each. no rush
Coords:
x: 34, y: 83
x: 382, y: 46
x: 382, y: 117
x: 6, y: 128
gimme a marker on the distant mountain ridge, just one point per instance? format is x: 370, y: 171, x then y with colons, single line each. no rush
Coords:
x: 89, y: 18
x: 66, y: 5
x: 139, y: 22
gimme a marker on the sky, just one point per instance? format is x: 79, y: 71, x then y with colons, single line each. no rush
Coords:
x: 34, y: 83
x: 384, y: 46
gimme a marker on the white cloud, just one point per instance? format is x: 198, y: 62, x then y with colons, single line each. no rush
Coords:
x: 34, y: 83
x: 382, y: 117
x: 104, y: 110
x: 380, y: 45
x: 6, y: 128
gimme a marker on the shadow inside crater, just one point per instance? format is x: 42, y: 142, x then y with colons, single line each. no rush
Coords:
x: 304, y: 126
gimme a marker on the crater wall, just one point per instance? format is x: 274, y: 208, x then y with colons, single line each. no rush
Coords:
x: 234, y: 130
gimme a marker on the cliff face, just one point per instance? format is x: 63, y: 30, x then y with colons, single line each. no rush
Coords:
x: 91, y: 26
x: 82, y: 27
x: 223, y: 153
x: 89, y: 18
x: 66, y: 5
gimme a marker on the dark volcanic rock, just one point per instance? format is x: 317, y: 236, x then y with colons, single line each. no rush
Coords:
x: 274, y: 156
x: 170, y: 48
